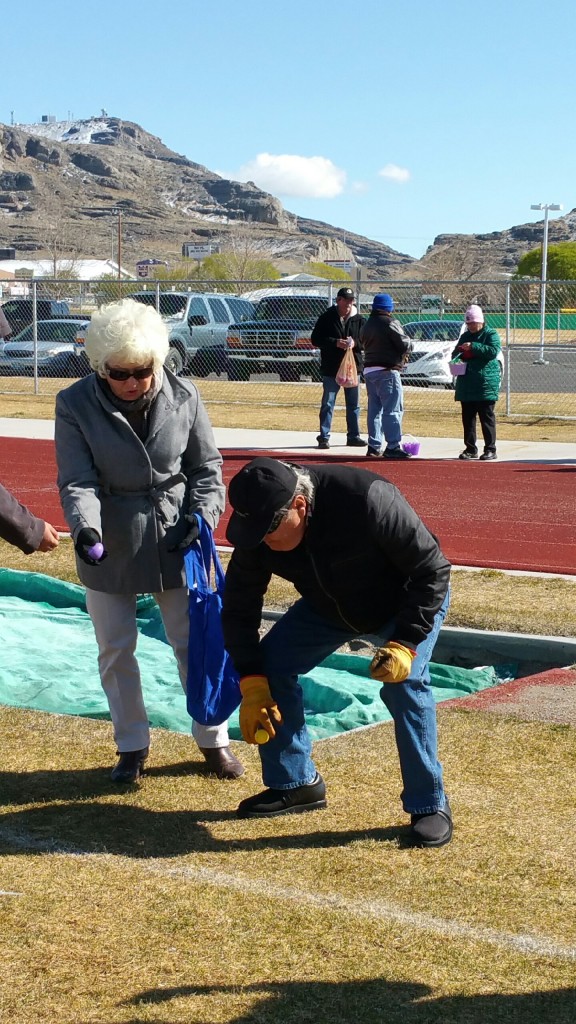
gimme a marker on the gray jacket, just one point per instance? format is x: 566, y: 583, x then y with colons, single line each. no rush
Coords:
x: 136, y: 494
x: 17, y: 524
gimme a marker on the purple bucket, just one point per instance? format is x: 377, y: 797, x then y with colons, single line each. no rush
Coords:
x: 457, y: 369
x: 411, y: 447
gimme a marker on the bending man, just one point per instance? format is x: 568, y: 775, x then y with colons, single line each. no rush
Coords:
x: 365, y: 565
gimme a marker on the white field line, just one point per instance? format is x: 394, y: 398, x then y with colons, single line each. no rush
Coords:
x: 380, y: 910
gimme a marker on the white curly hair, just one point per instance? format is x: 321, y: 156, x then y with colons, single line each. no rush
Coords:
x: 127, y: 332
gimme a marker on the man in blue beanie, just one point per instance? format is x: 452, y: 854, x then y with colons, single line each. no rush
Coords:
x: 386, y: 350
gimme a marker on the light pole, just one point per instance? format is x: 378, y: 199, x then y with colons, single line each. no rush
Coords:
x: 546, y: 207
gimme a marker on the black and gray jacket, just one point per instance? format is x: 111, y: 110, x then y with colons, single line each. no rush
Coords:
x: 329, y: 329
x: 366, y: 557
x: 384, y: 342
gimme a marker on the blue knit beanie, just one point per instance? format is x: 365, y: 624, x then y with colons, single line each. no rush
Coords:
x: 382, y: 303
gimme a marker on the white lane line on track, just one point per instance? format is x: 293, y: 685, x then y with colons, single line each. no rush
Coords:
x: 527, y: 945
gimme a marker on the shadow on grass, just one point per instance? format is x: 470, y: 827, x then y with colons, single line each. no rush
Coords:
x: 128, y: 831
x: 375, y: 1000
x: 21, y: 787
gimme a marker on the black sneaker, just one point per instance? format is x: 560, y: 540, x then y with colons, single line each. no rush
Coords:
x: 432, y: 829
x: 488, y: 456
x: 374, y: 453
x: 396, y: 453
x: 273, y: 802
x: 467, y: 454
x: 356, y: 442
x: 130, y: 766
x: 323, y: 443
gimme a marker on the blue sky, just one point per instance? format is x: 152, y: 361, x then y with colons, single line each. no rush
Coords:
x: 397, y: 121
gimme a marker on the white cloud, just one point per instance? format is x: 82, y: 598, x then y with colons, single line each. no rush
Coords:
x: 394, y: 173
x: 359, y: 187
x: 309, y: 177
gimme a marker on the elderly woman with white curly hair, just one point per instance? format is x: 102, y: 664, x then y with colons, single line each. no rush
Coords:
x: 137, y: 463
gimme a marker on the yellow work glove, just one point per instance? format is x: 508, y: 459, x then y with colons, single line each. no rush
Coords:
x: 392, y: 663
x: 258, y: 708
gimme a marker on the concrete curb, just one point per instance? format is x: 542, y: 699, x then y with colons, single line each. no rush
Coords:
x: 470, y: 648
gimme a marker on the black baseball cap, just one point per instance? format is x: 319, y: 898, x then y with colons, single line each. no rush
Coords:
x: 345, y: 293
x: 256, y: 494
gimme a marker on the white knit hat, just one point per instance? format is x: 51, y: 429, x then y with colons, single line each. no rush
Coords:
x: 474, y: 315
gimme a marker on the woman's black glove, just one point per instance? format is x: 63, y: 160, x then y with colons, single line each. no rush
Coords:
x: 86, y: 549
x: 192, y: 535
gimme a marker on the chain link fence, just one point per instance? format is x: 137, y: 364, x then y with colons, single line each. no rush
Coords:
x: 248, y: 343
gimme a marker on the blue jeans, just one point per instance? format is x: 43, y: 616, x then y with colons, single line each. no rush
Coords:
x: 298, y: 642
x: 385, y: 408
x: 352, y: 398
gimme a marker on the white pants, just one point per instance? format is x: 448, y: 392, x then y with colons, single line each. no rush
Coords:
x: 114, y: 620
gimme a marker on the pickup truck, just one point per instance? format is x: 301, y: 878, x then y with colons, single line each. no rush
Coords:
x: 198, y: 323
x: 20, y: 312
x: 277, y: 340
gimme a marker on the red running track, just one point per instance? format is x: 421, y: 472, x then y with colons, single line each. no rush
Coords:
x: 504, y: 515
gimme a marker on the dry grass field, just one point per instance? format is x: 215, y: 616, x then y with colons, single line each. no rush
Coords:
x: 257, y: 406
x: 155, y: 905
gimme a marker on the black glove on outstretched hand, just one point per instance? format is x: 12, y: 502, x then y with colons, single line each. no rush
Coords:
x: 86, y: 540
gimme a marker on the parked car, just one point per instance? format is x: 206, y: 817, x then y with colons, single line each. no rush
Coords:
x: 20, y: 312
x: 278, y: 339
x: 55, y: 353
x: 198, y: 323
x: 428, y: 362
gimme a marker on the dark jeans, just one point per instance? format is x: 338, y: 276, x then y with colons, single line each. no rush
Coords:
x: 485, y: 413
x: 352, y: 399
x: 298, y: 642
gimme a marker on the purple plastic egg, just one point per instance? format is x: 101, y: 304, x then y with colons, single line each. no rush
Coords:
x: 96, y: 551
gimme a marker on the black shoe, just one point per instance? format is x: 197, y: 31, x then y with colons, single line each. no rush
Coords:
x: 222, y: 762
x: 488, y: 456
x: 323, y: 443
x: 374, y: 453
x: 396, y: 453
x: 130, y: 766
x: 356, y: 442
x: 432, y: 829
x: 273, y: 802
x: 467, y: 454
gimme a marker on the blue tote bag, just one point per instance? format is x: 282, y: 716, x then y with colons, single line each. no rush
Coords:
x: 212, y: 690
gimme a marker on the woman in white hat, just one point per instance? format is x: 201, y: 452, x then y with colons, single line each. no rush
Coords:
x: 478, y: 388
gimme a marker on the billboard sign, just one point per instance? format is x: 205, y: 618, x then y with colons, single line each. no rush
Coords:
x: 197, y: 252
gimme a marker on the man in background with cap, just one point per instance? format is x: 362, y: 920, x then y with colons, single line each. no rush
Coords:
x: 386, y: 349
x: 335, y: 331
x: 364, y: 565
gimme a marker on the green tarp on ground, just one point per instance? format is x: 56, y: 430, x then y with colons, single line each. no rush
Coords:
x: 49, y: 663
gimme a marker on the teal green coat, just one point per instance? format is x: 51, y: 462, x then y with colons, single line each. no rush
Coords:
x: 481, y: 382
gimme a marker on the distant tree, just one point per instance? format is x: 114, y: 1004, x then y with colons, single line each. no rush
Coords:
x: 325, y: 270
x: 233, y: 268
x: 184, y: 270
x: 560, y: 262
x: 109, y: 289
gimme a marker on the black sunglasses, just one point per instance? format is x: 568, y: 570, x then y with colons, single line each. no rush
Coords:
x: 140, y: 374
x: 278, y: 517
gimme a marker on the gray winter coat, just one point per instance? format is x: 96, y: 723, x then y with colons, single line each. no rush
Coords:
x: 18, y: 525
x: 136, y: 494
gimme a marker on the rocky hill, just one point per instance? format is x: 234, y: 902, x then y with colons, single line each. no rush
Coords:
x: 490, y: 256
x: 60, y: 184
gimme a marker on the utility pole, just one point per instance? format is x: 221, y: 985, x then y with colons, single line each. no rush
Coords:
x: 119, y: 245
